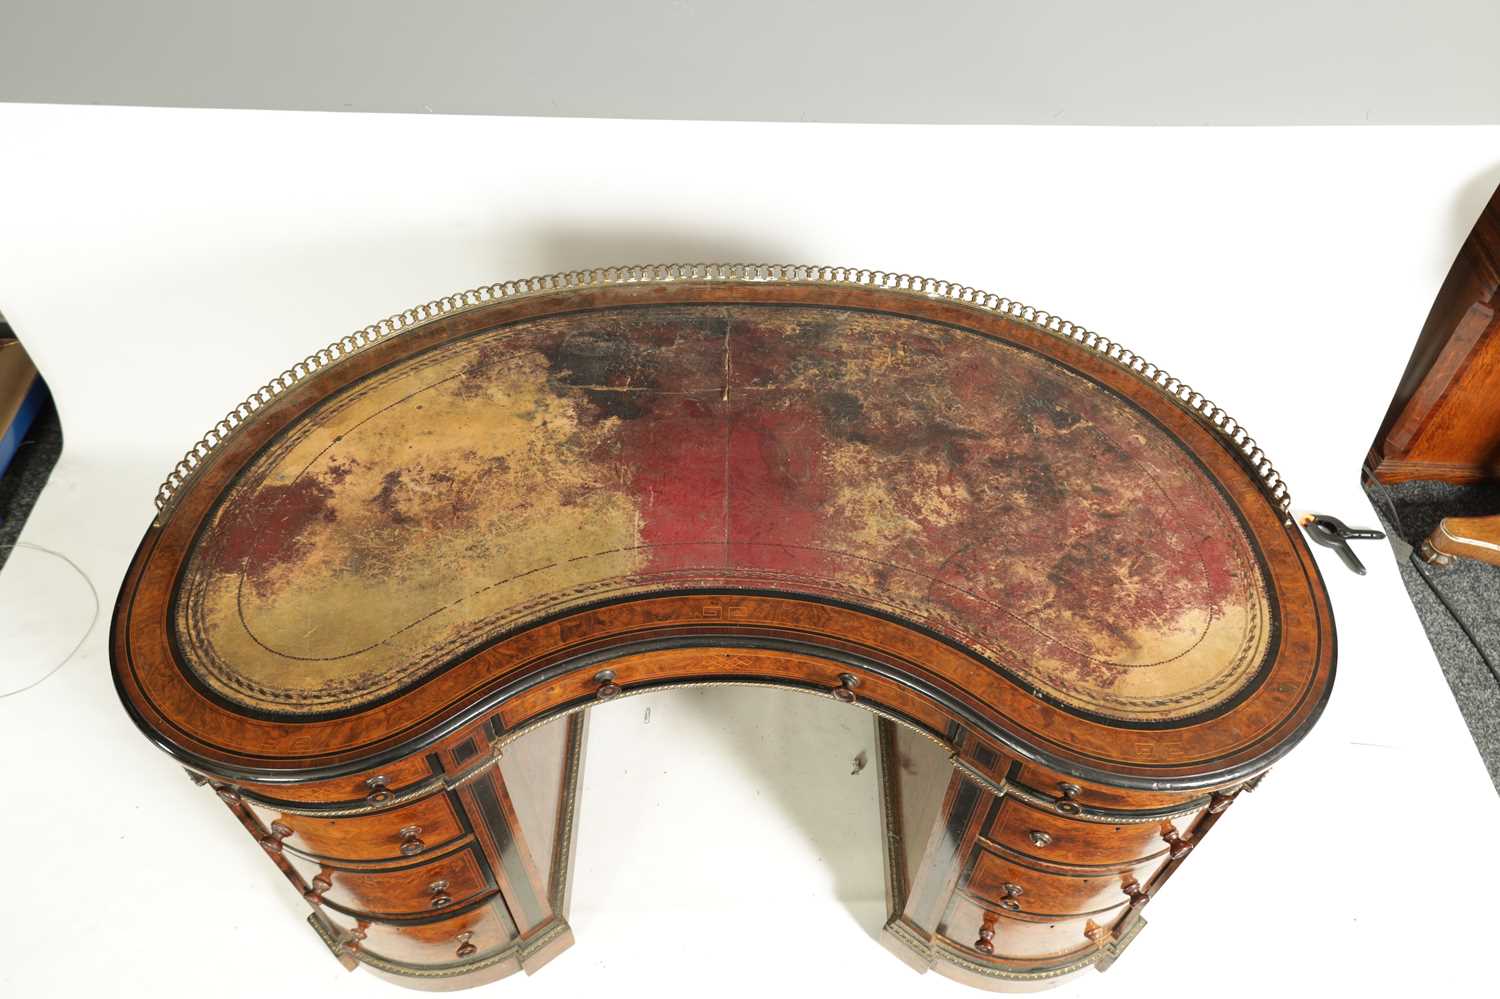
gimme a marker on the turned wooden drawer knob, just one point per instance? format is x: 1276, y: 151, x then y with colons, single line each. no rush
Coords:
x: 1064, y: 802
x: 320, y: 884
x: 279, y: 832
x: 1013, y: 892
x: 986, y: 942
x: 379, y: 790
x: 440, y: 897
x: 1039, y: 838
x: 607, y: 687
x: 1133, y: 889
x: 1180, y: 847
x: 845, y: 690
x: 465, y: 948
x: 410, y: 844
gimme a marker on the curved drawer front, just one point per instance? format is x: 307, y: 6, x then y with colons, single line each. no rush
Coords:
x: 1057, y: 839
x: 368, y: 787
x: 470, y: 935
x: 1018, y: 937
x: 1011, y: 886
x: 1044, y: 784
x: 446, y: 882
x: 411, y: 830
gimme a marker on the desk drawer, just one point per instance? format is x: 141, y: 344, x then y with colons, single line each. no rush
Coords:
x: 470, y: 935
x: 449, y: 881
x: 1054, y: 786
x: 1061, y: 840
x: 420, y: 827
x: 1014, y: 887
x: 1019, y: 937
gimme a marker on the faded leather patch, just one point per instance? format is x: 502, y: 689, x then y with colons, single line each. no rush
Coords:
x: 946, y: 478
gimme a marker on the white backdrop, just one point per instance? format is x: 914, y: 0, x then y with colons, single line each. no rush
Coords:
x: 160, y: 264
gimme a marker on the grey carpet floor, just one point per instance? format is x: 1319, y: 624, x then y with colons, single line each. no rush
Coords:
x: 1459, y: 606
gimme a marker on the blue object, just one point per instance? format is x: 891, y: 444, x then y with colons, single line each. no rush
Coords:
x: 36, y: 396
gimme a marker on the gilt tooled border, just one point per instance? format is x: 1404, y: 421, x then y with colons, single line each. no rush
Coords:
x: 1234, y: 675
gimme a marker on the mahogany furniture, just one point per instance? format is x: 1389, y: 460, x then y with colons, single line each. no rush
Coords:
x: 381, y: 596
x: 1444, y: 421
x: 1463, y: 537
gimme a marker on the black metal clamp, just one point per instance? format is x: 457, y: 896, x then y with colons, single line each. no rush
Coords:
x: 1330, y: 532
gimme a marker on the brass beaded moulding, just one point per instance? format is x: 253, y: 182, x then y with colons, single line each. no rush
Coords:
x: 602, y: 277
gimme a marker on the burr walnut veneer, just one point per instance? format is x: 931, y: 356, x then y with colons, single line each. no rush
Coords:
x: 374, y: 615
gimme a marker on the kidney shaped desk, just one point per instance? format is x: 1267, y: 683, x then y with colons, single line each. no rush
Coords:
x: 382, y: 594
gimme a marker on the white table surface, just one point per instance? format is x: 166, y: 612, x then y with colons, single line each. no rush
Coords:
x: 161, y: 264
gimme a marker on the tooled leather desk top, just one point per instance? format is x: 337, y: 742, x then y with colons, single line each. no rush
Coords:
x: 1067, y: 525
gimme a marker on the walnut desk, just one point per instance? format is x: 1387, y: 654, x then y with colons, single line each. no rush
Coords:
x: 381, y: 595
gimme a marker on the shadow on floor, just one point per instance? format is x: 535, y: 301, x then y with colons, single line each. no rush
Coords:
x: 816, y: 757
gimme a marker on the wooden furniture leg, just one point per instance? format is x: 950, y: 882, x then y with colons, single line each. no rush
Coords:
x: 1463, y: 537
